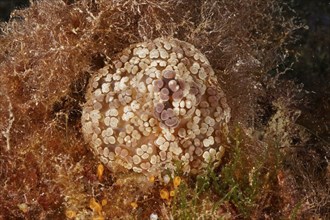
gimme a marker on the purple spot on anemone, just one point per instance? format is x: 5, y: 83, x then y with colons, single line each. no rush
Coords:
x: 177, y: 95
x: 156, y: 114
x: 168, y: 74
x: 182, y: 84
x: 159, y: 83
x: 159, y: 107
x: 164, y: 115
x: 170, y: 112
x: 164, y: 91
x: 173, y: 85
x: 172, y: 122
x: 164, y: 97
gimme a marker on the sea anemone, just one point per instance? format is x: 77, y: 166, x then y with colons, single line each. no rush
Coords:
x: 154, y: 104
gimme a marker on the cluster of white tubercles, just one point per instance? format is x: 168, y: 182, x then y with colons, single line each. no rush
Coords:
x: 156, y: 103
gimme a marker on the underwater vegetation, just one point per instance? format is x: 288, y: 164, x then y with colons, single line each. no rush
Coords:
x: 158, y: 109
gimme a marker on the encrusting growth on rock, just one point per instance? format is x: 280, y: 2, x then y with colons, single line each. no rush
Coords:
x: 157, y: 102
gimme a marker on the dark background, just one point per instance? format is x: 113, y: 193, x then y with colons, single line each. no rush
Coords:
x: 313, y: 66
x: 6, y: 6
